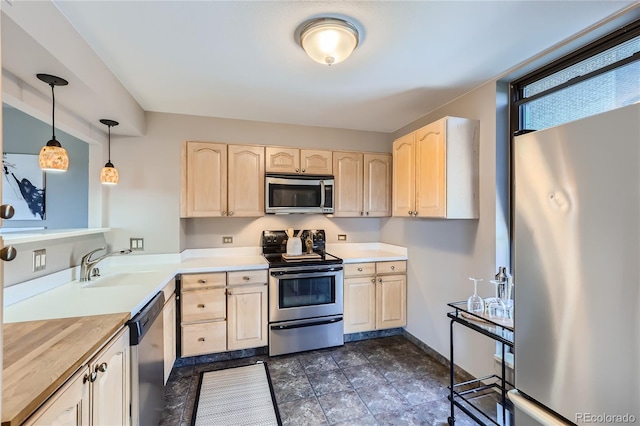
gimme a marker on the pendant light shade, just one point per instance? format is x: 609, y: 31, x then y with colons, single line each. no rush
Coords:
x: 109, y: 174
x: 53, y: 157
x: 329, y: 40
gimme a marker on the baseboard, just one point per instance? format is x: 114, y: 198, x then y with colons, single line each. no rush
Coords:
x: 220, y: 356
x: 365, y: 335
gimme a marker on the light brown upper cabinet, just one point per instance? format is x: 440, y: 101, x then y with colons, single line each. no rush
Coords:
x: 222, y: 180
x: 435, y: 170
x: 363, y: 184
x: 297, y: 161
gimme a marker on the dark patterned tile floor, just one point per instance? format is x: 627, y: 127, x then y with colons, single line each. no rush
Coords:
x: 382, y: 381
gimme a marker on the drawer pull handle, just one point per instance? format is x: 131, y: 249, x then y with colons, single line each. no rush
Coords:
x: 202, y: 281
x: 201, y: 339
x: 201, y: 305
x: 246, y: 278
x: 102, y: 367
x: 393, y: 268
x: 359, y: 269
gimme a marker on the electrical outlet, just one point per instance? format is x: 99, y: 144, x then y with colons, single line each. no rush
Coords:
x: 39, y: 260
x: 227, y: 240
x: 342, y: 237
x: 136, y: 243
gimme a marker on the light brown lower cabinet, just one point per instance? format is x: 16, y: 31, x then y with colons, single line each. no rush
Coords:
x: 216, y: 317
x: 98, y: 394
x: 375, y: 296
x: 169, y: 331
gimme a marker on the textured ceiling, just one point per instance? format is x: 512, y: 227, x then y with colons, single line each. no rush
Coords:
x: 240, y: 59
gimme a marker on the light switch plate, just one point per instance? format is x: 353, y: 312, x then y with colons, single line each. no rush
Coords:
x: 136, y: 243
x: 39, y: 260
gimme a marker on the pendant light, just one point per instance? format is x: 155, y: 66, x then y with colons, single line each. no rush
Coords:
x: 109, y: 174
x: 329, y: 40
x: 53, y: 157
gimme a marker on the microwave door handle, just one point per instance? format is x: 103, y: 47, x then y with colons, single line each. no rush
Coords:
x: 322, y: 194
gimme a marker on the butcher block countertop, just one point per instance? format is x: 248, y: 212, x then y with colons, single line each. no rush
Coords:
x: 39, y: 356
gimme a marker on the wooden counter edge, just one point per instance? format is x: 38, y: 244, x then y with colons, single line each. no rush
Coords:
x: 17, y: 416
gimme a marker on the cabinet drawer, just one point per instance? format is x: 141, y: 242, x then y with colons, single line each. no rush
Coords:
x: 359, y: 269
x: 399, y: 267
x: 197, y: 281
x: 204, y: 305
x: 204, y: 338
x: 247, y: 277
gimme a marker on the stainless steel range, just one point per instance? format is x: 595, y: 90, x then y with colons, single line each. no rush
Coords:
x: 305, y: 294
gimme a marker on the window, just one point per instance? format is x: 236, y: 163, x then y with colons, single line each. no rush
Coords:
x: 600, y: 77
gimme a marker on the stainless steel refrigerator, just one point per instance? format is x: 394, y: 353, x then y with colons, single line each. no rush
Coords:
x: 577, y: 273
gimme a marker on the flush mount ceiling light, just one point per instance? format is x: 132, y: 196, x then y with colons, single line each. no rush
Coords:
x: 329, y: 40
x: 53, y: 157
x: 109, y: 174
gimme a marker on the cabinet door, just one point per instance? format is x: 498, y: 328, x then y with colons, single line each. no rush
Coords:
x: 348, y: 175
x: 206, y: 184
x: 69, y: 406
x: 377, y: 185
x: 391, y: 301
x: 110, y: 397
x: 359, y: 304
x: 282, y: 160
x: 169, y: 340
x: 203, y: 305
x: 404, y: 191
x: 245, y: 181
x: 316, y: 162
x: 247, y: 322
x: 431, y: 170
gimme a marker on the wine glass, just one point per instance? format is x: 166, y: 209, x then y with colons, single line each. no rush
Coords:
x: 496, y: 307
x: 475, y: 303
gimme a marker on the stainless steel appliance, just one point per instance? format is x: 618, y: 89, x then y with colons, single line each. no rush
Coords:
x: 147, y: 363
x: 298, y: 194
x: 305, y: 295
x: 576, y: 271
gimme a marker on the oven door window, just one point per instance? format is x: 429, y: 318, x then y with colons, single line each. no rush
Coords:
x: 289, y: 195
x: 302, y: 292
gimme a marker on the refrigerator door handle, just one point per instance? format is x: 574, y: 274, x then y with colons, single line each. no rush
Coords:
x: 535, y: 411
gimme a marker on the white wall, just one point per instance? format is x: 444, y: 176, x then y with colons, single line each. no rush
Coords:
x: 444, y: 253
x: 146, y: 201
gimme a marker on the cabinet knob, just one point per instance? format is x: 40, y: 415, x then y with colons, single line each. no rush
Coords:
x: 201, y: 339
x: 223, y: 213
x: 7, y: 211
x: 93, y: 376
x: 393, y: 268
x: 230, y: 213
x: 85, y: 379
x: 297, y: 170
x: 410, y: 212
x: 8, y: 253
x: 367, y: 213
x: 201, y: 305
x: 379, y: 280
x: 415, y: 213
x: 229, y: 293
x: 373, y: 280
x: 304, y: 170
x: 361, y: 213
x: 246, y: 278
x: 102, y: 367
x: 359, y: 269
x: 202, y: 281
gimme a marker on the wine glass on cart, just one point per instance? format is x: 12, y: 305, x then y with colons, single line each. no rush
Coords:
x: 475, y: 304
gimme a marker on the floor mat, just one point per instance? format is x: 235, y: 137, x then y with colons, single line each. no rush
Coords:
x: 236, y: 396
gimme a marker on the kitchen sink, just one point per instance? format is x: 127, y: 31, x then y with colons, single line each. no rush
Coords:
x: 119, y: 279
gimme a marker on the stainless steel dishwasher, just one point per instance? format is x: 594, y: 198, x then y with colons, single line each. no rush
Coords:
x: 147, y: 363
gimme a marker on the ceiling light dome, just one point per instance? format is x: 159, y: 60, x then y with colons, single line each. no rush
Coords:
x: 329, y: 40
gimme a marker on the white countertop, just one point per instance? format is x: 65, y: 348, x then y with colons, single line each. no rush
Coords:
x: 129, y: 282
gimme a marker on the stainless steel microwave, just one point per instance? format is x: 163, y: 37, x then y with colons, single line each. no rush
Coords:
x: 298, y: 194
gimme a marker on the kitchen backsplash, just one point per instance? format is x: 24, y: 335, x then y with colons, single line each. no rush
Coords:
x: 208, y: 232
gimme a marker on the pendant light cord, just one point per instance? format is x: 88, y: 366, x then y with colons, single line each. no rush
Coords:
x: 53, y: 112
x: 109, y: 143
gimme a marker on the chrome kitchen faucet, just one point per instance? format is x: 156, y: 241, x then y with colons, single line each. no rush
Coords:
x: 87, y: 264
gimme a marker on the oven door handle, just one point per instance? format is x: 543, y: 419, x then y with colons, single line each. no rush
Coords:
x: 306, y: 324
x: 305, y: 274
